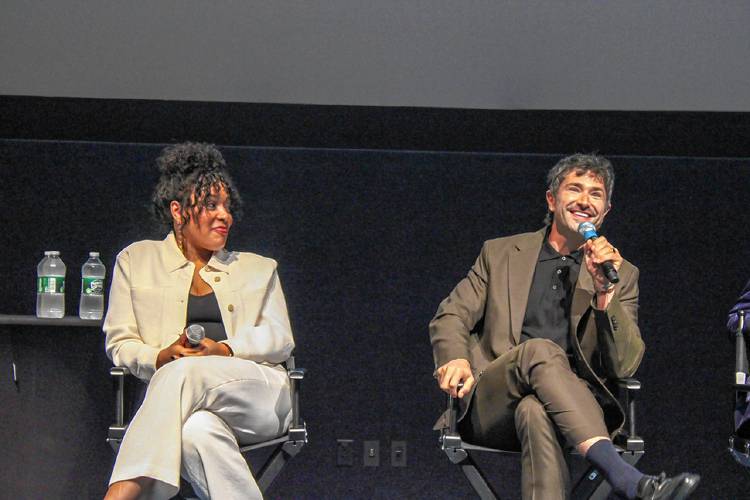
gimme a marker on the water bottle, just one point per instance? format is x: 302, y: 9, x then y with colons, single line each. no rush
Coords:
x: 92, y: 288
x: 50, y: 286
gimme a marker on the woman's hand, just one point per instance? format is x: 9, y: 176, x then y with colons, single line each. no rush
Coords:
x: 209, y: 347
x: 179, y: 349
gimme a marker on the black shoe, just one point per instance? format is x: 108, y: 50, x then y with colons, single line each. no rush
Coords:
x: 662, y: 487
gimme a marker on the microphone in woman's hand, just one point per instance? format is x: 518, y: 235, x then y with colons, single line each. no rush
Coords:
x: 194, y: 334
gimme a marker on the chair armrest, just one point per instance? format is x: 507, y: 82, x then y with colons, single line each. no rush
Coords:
x: 119, y: 371
x: 629, y: 388
x: 451, y: 442
x: 118, y: 374
x: 740, y: 350
x: 453, y: 411
x: 630, y: 384
x: 117, y: 430
x: 297, y: 431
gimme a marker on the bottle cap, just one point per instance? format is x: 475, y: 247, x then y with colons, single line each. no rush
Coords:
x: 52, y: 252
x: 93, y: 254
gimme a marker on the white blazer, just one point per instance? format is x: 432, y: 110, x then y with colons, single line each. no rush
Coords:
x: 148, y: 304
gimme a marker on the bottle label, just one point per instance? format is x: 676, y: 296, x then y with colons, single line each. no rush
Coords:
x: 92, y: 286
x: 50, y: 284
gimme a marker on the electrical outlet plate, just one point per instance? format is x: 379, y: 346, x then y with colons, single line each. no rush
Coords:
x: 371, y: 453
x: 345, y: 452
x: 398, y: 453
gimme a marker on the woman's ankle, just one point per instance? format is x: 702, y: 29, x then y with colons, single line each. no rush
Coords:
x: 129, y: 489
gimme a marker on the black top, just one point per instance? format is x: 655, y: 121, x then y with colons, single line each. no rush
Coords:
x: 204, y: 310
x: 548, y: 309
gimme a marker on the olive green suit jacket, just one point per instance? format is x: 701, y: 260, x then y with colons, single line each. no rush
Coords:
x: 483, y: 316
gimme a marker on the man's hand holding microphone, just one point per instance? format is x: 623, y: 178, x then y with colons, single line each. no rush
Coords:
x: 603, y: 261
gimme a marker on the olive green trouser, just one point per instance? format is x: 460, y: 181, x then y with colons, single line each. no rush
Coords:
x: 526, y: 400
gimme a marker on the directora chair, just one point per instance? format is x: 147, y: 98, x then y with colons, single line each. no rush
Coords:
x: 739, y: 446
x: 590, y: 485
x: 280, y: 449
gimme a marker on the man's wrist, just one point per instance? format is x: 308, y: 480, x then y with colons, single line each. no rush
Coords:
x: 603, y: 298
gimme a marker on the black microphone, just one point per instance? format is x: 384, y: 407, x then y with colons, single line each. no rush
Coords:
x: 195, y: 333
x: 588, y: 231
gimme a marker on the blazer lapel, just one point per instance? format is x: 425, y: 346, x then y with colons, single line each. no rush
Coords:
x: 582, y: 296
x: 521, y: 266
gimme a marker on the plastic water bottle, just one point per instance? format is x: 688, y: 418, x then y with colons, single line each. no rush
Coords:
x: 92, y: 288
x: 50, y: 286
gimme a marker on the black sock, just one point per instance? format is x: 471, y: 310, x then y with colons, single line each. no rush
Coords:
x: 622, y: 476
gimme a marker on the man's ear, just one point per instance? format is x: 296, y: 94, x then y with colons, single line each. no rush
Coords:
x: 550, y: 200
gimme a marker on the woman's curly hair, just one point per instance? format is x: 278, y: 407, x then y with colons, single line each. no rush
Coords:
x: 188, y: 173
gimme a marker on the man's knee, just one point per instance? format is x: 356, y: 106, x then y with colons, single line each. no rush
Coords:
x: 542, y: 346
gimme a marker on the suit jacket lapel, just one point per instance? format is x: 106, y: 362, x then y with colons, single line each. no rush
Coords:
x: 521, y: 265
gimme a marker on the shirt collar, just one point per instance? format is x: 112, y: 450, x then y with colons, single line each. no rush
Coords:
x: 174, y: 259
x: 549, y: 253
x: 221, y: 259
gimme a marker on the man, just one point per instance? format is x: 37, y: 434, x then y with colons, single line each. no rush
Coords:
x: 742, y: 405
x: 533, y: 330
x: 743, y: 304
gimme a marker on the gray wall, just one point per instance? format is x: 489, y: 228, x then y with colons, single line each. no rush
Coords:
x: 606, y: 54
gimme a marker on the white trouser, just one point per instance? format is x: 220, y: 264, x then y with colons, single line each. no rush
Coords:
x: 195, y: 412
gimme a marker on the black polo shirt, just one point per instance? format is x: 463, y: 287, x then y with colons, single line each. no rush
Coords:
x: 548, y: 308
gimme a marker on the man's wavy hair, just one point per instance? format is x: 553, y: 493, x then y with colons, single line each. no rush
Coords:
x: 188, y: 173
x: 581, y: 164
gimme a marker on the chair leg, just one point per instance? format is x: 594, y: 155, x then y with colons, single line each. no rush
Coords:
x: 592, y: 485
x: 281, y: 454
x: 271, y: 468
x: 477, y: 480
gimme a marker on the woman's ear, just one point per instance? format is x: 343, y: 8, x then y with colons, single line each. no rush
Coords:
x: 176, y: 210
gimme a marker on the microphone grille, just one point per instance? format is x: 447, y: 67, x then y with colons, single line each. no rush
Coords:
x: 587, y: 230
x: 195, y: 333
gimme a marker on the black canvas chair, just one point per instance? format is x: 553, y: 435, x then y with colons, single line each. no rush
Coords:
x: 739, y: 441
x: 281, y: 449
x: 590, y: 485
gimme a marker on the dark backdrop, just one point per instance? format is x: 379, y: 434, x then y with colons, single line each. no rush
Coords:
x: 369, y: 242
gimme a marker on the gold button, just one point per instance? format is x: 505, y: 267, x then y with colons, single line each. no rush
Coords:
x: 230, y: 307
x: 217, y: 279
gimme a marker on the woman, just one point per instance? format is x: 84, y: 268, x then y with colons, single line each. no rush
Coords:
x: 203, y: 399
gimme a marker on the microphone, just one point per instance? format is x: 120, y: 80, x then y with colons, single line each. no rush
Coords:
x: 588, y: 231
x: 195, y: 333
